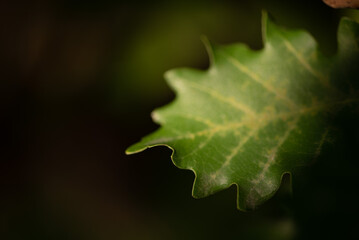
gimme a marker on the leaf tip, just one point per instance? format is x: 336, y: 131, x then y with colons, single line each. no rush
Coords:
x: 133, y: 149
x: 156, y: 117
x: 349, y: 23
x: 169, y: 75
x: 264, y: 14
x: 264, y: 21
x: 209, y: 48
x: 348, y: 35
x: 267, y: 26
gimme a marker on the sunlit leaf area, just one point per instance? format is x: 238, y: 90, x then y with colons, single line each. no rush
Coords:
x: 80, y: 81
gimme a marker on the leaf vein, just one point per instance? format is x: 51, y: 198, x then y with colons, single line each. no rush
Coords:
x: 322, y: 78
x: 244, y: 69
x: 228, y: 100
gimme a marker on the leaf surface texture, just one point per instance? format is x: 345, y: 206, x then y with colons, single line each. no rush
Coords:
x: 256, y: 115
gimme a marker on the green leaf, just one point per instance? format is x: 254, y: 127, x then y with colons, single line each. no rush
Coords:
x: 255, y: 115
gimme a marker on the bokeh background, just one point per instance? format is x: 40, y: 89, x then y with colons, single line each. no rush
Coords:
x: 79, y: 80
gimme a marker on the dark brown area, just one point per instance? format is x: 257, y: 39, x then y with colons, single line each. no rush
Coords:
x: 342, y: 3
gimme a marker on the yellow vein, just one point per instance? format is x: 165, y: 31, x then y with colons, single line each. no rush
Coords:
x: 198, y: 119
x: 262, y: 119
x: 244, y: 69
x: 229, y: 100
x: 207, y: 131
x: 271, y: 159
x: 251, y: 199
x: 323, y: 79
x: 234, y: 152
x: 321, y: 142
x: 200, y: 146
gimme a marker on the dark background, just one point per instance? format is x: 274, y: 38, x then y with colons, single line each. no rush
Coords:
x: 78, y: 82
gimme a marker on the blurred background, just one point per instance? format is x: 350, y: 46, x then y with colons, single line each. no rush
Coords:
x: 79, y: 80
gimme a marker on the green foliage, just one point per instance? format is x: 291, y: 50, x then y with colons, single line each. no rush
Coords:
x: 255, y: 115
